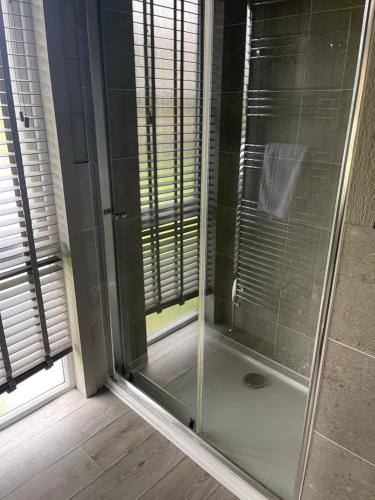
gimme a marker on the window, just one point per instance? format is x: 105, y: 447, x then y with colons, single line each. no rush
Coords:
x: 167, y: 41
x: 34, y: 329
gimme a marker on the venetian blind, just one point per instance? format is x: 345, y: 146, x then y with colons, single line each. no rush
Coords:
x: 34, y: 328
x: 167, y: 39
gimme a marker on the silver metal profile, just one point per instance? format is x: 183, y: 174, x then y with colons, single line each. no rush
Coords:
x: 206, y: 119
x: 335, y: 243
x: 205, y: 455
x: 97, y: 80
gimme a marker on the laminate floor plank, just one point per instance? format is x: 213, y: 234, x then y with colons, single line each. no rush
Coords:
x: 118, y: 439
x: 60, y: 480
x: 177, y: 361
x: 221, y: 493
x: 171, y: 342
x: 35, y: 455
x: 40, y: 420
x: 186, y: 481
x: 134, y: 474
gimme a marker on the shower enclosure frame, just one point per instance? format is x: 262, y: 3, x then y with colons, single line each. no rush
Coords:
x: 191, y: 443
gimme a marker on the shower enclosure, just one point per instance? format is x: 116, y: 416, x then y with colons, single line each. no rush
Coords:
x: 225, y: 133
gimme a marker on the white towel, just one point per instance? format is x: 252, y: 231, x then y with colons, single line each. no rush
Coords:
x: 281, y: 166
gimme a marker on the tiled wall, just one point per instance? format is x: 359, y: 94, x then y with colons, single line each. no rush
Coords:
x: 70, y: 78
x: 229, y: 32
x: 303, y: 56
x: 342, y: 457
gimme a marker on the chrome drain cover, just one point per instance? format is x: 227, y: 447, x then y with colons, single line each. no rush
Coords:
x: 255, y: 380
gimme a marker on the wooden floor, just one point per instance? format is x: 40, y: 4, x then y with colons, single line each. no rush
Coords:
x: 96, y: 449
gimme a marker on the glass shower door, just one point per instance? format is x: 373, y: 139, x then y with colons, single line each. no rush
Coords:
x: 283, y: 78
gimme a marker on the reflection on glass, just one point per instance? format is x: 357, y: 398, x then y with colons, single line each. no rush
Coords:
x: 282, y: 89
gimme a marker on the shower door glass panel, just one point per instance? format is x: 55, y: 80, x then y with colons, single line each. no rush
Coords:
x: 151, y: 66
x: 282, y: 90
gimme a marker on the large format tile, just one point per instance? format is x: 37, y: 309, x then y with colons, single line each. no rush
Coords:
x: 234, y: 56
x: 336, y: 474
x: 117, y: 28
x: 321, y: 5
x: 346, y: 406
x: 225, y: 230
x: 277, y: 60
x: 361, y: 202
x: 122, y: 123
x: 265, y: 10
x: 353, y: 319
x: 293, y: 350
x: 228, y: 179
x: 326, y: 50
x: 255, y: 332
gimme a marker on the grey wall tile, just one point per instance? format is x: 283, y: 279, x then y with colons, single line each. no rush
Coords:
x: 336, y: 474
x: 128, y: 245
x: 131, y: 290
x: 361, y: 203
x: 234, y: 12
x: 223, y: 277
x: 327, y: 45
x: 120, y: 5
x: 222, y: 311
x: 228, y: 179
x: 293, y: 350
x: 264, y: 10
x: 73, y: 79
x: 78, y: 127
x: 233, y: 56
x: 353, y: 317
x: 225, y: 230
x: 135, y: 340
x: 318, y: 5
x: 125, y: 185
x: 97, y: 332
x: 270, y: 37
x: 231, y: 117
x: 299, y: 305
x: 255, y: 332
x: 68, y: 31
x: 81, y: 188
x: 122, y: 123
x: 117, y: 29
x: 87, y: 262
x: 313, y: 196
x: 346, y: 406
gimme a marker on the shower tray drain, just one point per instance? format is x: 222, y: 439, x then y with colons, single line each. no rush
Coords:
x: 255, y: 380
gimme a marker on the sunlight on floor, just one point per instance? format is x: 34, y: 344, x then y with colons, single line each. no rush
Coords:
x: 33, y: 387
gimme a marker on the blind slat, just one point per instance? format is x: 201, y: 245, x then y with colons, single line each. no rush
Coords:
x: 168, y: 87
x: 34, y: 327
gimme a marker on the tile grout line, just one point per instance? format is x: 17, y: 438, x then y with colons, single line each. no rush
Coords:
x: 352, y: 348
x: 343, y: 448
